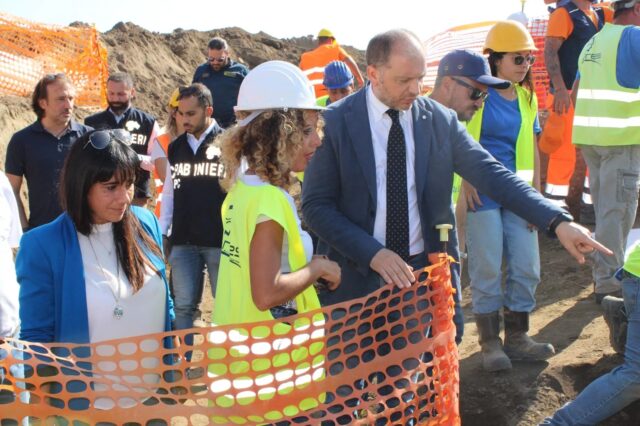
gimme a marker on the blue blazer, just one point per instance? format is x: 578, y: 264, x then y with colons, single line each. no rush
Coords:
x: 53, y: 304
x: 339, y: 190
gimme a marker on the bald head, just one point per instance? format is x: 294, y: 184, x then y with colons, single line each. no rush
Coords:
x: 396, y: 42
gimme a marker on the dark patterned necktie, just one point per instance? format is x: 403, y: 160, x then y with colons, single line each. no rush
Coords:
x: 397, y: 199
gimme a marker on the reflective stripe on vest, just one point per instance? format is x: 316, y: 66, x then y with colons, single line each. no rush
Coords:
x: 607, y: 114
x: 524, y: 144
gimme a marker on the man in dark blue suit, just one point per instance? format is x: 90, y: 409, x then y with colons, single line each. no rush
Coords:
x: 382, y: 180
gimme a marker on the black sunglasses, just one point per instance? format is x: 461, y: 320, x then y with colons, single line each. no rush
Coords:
x: 519, y: 59
x: 100, y: 139
x: 475, y: 94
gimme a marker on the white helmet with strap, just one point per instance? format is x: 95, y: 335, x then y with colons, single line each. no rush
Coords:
x: 275, y: 85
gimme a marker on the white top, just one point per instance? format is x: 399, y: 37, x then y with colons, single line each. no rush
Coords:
x: 380, y: 124
x: 166, y: 209
x: 10, y: 233
x: 143, y: 312
x: 307, y: 242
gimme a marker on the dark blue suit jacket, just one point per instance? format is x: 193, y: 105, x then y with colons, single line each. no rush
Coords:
x: 339, y: 192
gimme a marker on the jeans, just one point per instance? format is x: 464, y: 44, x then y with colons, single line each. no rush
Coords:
x: 621, y: 386
x: 492, y: 234
x: 614, y: 182
x: 187, y: 265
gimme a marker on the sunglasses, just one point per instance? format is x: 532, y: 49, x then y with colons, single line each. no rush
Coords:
x: 220, y: 59
x: 476, y: 94
x: 519, y: 59
x: 100, y: 139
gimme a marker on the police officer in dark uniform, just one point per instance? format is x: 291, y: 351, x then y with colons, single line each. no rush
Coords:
x: 223, y: 77
x: 191, y: 202
x: 143, y: 128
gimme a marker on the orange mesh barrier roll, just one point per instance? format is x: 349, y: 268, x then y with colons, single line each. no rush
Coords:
x: 472, y: 37
x: 388, y: 358
x: 30, y: 50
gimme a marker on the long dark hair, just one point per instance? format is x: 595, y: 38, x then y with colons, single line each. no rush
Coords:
x: 86, y: 166
x: 526, y: 82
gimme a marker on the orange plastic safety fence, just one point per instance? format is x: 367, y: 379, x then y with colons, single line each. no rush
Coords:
x: 389, y: 358
x: 472, y: 37
x: 29, y: 50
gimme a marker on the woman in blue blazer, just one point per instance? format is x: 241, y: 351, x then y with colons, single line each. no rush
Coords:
x: 96, y: 272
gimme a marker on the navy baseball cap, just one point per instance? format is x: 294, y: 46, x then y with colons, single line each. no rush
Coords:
x: 465, y: 63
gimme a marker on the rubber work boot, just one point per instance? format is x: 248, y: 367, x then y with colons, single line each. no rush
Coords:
x: 517, y: 343
x: 616, y: 318
x: 493, y: 356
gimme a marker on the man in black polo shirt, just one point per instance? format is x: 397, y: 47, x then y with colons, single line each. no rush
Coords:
x: 191, y: 201
x: 143, y: 128
x: 38, y: 151
x: 223, y: 77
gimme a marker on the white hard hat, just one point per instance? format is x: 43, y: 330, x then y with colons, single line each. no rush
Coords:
x: 275, y: 85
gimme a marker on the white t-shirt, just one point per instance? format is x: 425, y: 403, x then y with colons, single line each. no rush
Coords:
x: 107, y: 285
x: 10, y: 233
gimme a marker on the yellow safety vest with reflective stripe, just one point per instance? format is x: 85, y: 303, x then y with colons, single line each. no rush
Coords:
x: 632, y: 262
x: 525, y: 144
x: 607, y: 114
x: 322, y: 100
x: 234, y: 305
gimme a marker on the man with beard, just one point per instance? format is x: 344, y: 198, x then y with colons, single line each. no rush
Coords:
x: 38, y: 151
x: 143, y: 129
x: 191, y: 202
x: 222, y: 76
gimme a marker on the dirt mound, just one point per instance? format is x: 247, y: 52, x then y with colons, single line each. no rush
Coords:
x: 159, y: 63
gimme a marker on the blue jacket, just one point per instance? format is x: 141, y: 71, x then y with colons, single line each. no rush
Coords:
x: 51, y: 276
x: 339, y: 189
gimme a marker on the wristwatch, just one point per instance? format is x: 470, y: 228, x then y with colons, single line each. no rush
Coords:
x: 557, y: 220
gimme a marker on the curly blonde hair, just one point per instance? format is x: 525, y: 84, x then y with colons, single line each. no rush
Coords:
x: 268, y: 143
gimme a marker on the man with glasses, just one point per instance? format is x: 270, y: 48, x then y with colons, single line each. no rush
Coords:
x: 38, y: 151
x: 222, y: 76
x: 142, y: 127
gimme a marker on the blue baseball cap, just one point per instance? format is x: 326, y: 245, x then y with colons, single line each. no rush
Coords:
x: 465, y: 63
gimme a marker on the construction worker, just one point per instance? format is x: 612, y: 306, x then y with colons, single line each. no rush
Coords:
x: 338, y: 80
x: 223, y: 77
x: 37, y: 152
x: 313, y: 63
x: 608, y: 105
x: 168, y: 133
x: 506, y: 126
x: 606, y: 129
x: 571, y: 25
x: 143, y: 128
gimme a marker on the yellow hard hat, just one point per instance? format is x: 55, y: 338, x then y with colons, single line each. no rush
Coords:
x: 508, y: 36
x: 173, y: 100
x: 325, y: 33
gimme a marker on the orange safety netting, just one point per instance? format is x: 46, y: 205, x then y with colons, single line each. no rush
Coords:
x: 472, y: 37
x: 388, y: 358
x: 30, y: 50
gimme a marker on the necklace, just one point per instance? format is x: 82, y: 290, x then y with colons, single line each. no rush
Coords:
x: 118, y: 311
x: 104, y: 246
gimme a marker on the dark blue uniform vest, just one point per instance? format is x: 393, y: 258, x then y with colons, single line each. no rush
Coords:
x: 583, y: 30
x: 140, y: 125
x: 197, y: 195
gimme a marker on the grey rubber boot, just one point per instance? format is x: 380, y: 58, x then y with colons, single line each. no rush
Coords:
x: 493, y: 356
x: 616, y: 318
x: 517, y: 343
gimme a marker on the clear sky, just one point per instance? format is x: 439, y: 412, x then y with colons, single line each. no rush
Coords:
x: 353, y: 22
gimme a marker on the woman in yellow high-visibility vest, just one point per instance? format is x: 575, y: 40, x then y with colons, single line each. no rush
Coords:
x: 506, y: 127
x: 267, y: 267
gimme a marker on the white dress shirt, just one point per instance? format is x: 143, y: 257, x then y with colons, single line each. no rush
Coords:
x: 380, y: 124
x: 166, y: 209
